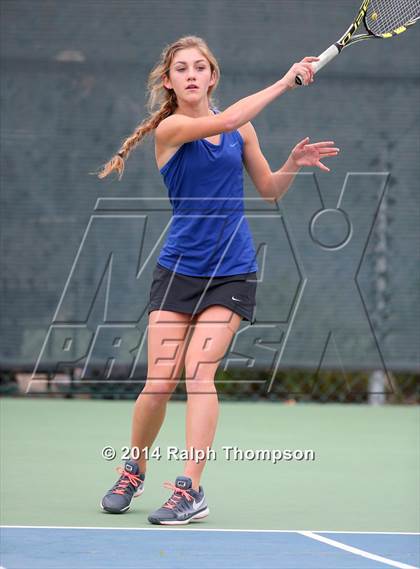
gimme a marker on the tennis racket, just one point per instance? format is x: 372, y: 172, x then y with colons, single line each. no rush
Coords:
x: 382, y: 19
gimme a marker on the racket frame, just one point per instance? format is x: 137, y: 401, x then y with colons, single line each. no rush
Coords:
x: 348, y: 39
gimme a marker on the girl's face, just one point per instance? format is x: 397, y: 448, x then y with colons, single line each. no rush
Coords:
x: 190, y: 75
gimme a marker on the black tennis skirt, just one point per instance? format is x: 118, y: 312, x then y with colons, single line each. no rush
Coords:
x: 191, y: 295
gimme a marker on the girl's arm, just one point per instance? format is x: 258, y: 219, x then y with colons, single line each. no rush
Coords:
x: 246, y: 109
x: 273, y: 185
x: 178, y: 129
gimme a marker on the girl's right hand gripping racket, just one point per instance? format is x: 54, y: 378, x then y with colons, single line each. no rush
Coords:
x: 382, y: 19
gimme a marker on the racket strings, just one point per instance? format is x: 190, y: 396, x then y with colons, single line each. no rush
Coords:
x: 387, y: 16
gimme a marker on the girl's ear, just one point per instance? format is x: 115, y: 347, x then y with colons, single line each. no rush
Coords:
x: 166, y: 82
x: 213, y: 78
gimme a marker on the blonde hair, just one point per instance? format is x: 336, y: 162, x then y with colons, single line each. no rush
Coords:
x: 160, y: 98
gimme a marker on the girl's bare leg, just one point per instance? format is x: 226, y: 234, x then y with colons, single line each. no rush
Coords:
x: 213, y: 332
x: 168, y: 334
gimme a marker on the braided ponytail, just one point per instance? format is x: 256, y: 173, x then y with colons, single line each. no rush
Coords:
x: 161, y: 97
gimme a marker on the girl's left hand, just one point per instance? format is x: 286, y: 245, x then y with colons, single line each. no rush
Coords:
x: 304, y: 154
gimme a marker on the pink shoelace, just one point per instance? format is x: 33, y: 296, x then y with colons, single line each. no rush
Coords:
x: 176, y: 496
x: 128, y: 478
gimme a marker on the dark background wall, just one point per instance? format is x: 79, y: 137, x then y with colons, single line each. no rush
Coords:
x: 73, y: 86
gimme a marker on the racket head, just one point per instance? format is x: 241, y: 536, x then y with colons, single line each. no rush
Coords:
x: 382, y: 19
x: 387, y: 18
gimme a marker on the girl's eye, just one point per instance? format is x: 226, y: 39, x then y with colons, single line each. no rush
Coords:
x: 183, y: 68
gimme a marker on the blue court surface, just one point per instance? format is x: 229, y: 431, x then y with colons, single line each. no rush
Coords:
x: 99, y: 548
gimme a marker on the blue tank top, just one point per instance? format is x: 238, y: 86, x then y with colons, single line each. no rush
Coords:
x: 209, y: 234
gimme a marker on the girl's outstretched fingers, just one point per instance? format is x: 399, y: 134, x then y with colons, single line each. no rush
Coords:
x: 305, y: 154
x: 322, y: 166
x: 303, y: 142
x: 323, y: 144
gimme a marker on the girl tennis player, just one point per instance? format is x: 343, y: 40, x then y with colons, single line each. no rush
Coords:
x: 205, y: 279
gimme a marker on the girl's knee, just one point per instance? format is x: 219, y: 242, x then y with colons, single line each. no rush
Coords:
x: 159, y: 390
x: 200, y: 384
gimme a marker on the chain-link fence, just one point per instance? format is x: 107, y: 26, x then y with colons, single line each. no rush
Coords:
x: 338, y: 253
x: 287, y: 386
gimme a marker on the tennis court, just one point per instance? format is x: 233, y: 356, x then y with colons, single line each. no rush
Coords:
x: 354, y: 506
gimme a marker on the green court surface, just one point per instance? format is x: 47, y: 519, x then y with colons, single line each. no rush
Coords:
x: 364, y: 477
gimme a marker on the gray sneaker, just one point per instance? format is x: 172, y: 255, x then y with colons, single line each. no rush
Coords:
x: 184, y: 506
x: 130, y: 484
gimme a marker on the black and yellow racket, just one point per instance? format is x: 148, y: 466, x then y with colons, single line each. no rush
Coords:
x: 382, y: 19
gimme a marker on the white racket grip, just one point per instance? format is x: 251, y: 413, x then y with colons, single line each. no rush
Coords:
x: 325, y: 57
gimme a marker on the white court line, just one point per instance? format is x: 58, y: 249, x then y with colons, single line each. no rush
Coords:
x: 357, y: 551
x: 189, y: 528
x: 371, y: 532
